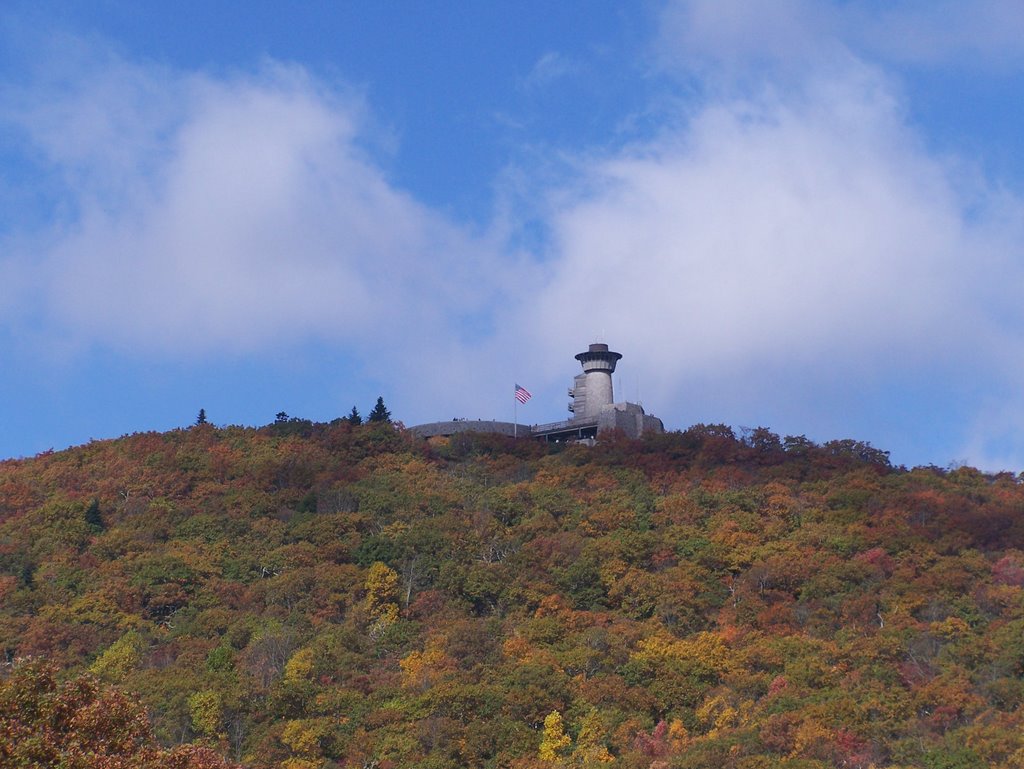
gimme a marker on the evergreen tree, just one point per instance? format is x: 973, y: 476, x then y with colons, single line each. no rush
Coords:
x: 380, y: 412
x: 201, y: 419
x: 354, y: 418
x: 93, y: 516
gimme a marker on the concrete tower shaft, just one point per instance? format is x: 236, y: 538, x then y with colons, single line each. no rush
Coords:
x: 593, y: 389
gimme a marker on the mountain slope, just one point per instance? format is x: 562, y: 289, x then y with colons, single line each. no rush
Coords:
x: 312, y: 595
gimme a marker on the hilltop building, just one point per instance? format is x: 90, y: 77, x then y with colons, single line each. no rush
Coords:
x: 593, y: 408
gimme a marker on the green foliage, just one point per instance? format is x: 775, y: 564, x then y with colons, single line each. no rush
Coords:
x: 379, y: 413
x: 581, y: 581
x: 93, y: 517
x: 221, y: 659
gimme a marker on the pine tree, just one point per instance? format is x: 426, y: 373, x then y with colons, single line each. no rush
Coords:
x: 354, y: 418
x: 201, y: 419
x: 380, y: 412
x: 93, y: 516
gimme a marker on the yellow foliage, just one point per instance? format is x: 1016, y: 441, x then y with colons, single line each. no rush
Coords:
x: 555, y: 741
x: 412, y: 666
x: 761, y: 762
x: 951, y: 628
x: 420, y: 670
x: 395, y: 529
x: 678, y: 734
x: 381, y: 599
x: 593, y: 756
x: 299, y: 666
x: 591, y: 731
x: 382, y: 594
x: 303, y: 737
x: 120, y: 657
x: 590, y: 748
x: 206, y: 710
x: 707, y: 648
x: 612, y: 570
x: 655, y: 648
x: 809, y: 735
x: 717, y: 715
x: 95, y: 608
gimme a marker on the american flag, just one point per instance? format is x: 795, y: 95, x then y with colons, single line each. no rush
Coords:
x: 522, y: 394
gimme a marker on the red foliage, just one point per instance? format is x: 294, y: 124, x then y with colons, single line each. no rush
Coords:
x: 879, y: 558
x: 79, y: 724
x: 1009, y: 570
x: 778, y: 684
x: 655, y: 744
x: 852, y: 750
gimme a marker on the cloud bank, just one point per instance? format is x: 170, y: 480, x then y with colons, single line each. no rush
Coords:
x: 233, y: 214
x: 784, y: 249
x: 814, y: 227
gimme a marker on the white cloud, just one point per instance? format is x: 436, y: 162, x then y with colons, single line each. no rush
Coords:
x: 550, y: 67
x: 229, y: 214
x: 988, y: 33
x: 733, y: 36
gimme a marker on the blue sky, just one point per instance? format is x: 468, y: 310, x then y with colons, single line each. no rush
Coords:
x: 802, y: 215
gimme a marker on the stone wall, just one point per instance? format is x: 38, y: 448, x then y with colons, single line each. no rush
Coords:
x: 628, y: 417
x: 432, y: 429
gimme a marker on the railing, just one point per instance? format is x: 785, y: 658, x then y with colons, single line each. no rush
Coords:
x: 566, y: 424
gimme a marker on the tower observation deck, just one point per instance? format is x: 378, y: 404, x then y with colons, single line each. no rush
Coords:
x: 592, y: 390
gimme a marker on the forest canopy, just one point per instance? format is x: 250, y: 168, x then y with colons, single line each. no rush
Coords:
x: 347, y: 595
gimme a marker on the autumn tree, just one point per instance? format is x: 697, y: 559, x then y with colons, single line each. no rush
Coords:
x: 554, y: 743
x: 381, y: 602
x: 590, y: 749
x: 80, y: 724
x: 120, y: 658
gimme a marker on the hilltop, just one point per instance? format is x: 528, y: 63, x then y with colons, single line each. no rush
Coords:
x: 307, y: 595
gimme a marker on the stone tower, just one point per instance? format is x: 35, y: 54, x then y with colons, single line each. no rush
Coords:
x: 592, y: 390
